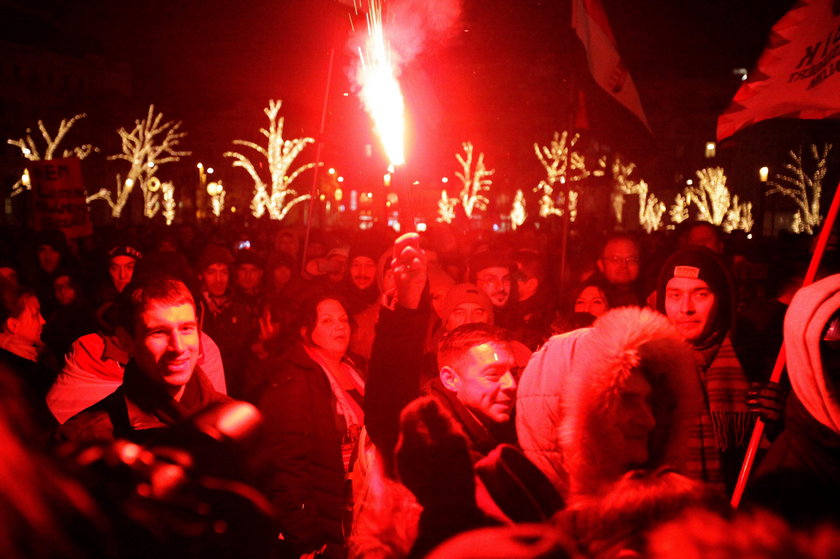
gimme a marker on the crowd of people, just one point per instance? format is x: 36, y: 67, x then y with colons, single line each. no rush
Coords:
x: 274, y: 392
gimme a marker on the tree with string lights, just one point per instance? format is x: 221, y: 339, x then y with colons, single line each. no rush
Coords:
x: 150, y: 144
x: 475, y: 180
x: 275, y: 195
x: 803, y: 188
x: 446, y: 208
x: 518, y: 213
x: 30, y: 151
x: 562, y: 164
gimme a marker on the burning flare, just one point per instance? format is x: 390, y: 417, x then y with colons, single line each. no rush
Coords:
x: 380, y: 91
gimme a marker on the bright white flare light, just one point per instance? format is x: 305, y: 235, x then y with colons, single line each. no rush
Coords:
x: 380, y: 91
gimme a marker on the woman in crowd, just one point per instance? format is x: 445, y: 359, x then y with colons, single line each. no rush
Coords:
x: 22, y: 352
x: 313, y: 417
x: 590, y: 297
x: 581, y: 306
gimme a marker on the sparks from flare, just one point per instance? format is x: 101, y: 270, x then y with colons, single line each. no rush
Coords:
x: 380, y: 91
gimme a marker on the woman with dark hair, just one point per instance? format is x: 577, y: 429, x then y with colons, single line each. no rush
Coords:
x: 590, y: 297
x: 71, y: 317
x: 22, y: 352
x: 581, y: 306
x: 313, y: 415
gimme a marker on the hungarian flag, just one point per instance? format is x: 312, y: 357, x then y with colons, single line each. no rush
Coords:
x: 798, y: 76
x: 591, y: 25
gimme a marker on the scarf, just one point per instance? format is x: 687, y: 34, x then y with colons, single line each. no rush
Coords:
x: 21, y: 348
x: 724, y: 422
x: 216, y: 305
x: 346, y: 406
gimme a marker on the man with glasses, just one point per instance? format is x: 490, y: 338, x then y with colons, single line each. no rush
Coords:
x: 619, y: 267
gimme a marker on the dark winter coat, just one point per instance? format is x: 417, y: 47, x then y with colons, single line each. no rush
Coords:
x: 305, y: 479
x: 139, y: 410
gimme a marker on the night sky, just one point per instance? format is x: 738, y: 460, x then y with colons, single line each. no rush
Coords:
x: 502, y: 79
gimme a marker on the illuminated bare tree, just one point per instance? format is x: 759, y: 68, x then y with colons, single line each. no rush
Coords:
x: 650, y: 208
x: 217, y: 197
x: 168, y: 202
x: 446, y: 208
x: 474, y: 181
x: 518, y: 214
x: 30, y: 151
x: 803, y: 188
x: 147, y: 146
x: 739, y: 216
x: 274, y: 195
x: 710, y: 195
x: 562, y: 164
x: 714, y: 202
x: 679, y: 211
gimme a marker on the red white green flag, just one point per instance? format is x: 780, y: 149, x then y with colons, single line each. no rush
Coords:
x: 593, y: 28
x: 798, y: 76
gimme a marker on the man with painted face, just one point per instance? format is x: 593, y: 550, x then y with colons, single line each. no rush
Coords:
x: 476, y: 380
x: 695, y: 291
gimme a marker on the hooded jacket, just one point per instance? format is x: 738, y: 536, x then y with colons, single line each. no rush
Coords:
x: 800, y: 476
x: 571, y: 389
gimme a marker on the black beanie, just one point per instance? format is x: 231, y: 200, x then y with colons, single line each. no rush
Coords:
x: 701, y: 263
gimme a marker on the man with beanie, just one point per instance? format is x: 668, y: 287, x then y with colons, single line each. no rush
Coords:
x: 492, y: 271
x: 695, y: 291
x: 465, y: 303
x: 361, y: 292
x: 223, y: 318
x: 121, y: 261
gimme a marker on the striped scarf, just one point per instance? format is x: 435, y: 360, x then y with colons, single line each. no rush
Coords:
x: 724, y: 421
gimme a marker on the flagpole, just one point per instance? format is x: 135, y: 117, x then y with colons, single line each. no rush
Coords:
x: 313, y: 189
x: 778, y: 369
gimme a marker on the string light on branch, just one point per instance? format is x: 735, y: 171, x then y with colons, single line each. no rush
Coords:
x: 446, y: 208
x: 29, y: 149
x: 803, y: 188
x: 147, y: 146
x: 739, y: 216
x: 475, y: 180
x: 562, y: 164
x: 679, y: 211
x: 518, y: 213
x: 217, y: 197
x: 168, y: 202
x: 274, y: 195
x: 714, y: 202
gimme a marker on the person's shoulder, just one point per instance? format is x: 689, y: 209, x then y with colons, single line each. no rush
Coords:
x: 94, y: 423
x: 293, y: 367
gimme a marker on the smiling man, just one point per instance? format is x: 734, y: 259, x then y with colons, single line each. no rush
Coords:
x: 162, y: 384
x: 477, y: 367
x: 696, y: 292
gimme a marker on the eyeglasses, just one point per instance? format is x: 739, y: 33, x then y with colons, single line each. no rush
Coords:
x: 494, y: 281
x: 627, y: 260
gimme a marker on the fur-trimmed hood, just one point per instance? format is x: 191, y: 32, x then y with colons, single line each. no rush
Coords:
x: 570, y: 391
